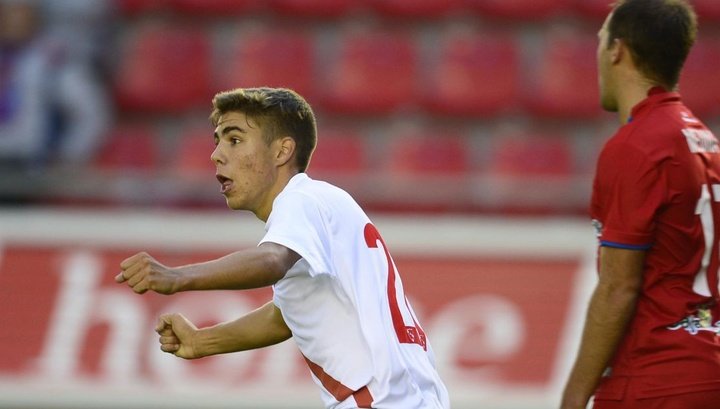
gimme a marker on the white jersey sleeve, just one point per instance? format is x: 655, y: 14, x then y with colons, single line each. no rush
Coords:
x: 298, y: 223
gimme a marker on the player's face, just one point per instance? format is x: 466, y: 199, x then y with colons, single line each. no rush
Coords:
x: 244, y: 164
x: 607, y: 96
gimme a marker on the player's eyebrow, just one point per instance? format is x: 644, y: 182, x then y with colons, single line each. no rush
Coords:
x: 229, y: 129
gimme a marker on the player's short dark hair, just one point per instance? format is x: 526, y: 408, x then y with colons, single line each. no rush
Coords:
x: 278, y: 111
x: 659, y: 34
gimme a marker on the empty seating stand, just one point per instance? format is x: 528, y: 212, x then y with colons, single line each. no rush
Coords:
x: 473, y: 74
x: 700, y: 79
x: 463, y: 68
x: 214, y: 7
x: 518, y: 9
x: 129, y: 147
x: 563, y: 82
x: 426, y: 9
x: 314, y: 8
x: 164, y: 68
x: 594, y: 9
x: 270, y: 57
x: 373, y: 72
x: 339, y: 151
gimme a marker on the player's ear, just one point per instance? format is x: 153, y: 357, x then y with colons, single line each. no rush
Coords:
x: 618, y: 51
x: 285, y: 150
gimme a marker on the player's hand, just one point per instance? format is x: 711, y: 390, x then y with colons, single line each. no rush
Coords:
x: 177, y: 336
x: 142, y: 272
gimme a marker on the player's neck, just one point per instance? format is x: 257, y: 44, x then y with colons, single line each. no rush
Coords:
x: 284, y: 175
x: 631, y: 94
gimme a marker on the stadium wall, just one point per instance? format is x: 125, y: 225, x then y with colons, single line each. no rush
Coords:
x: 501, y: 300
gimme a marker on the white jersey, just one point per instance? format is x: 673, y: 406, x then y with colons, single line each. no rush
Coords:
x: 345, y: 305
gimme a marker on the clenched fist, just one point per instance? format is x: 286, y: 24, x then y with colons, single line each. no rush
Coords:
x: 142, y: 272
x: 177, y: 336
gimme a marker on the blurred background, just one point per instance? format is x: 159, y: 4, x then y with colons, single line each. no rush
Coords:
x: 491, y: 104
x: 468, y: 129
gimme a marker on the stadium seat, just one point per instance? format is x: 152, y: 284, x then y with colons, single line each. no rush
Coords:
x: 700, y: 79
x: 214, y: 6
x: 424, y: 153
x: 338, y: 151
x: 192, y: 158
x: 531, y: 156
x: 564, y: 82
x: 423, y: 170
x: 518, y: 9
x: 596, y: 9
x: 313, y: 8
x: 474, y: 74
x: 530, y: 172
x: 128, y: 147
x: 164, y: 69
x: 374, y: 73
x: 415, y: 8
x: 265, y: 57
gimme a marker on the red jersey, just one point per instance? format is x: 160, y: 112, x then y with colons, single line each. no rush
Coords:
x: 657, y: 188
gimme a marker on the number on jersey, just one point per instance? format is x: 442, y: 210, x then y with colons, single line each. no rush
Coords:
x: 407, y: 334
x: 704, y: 209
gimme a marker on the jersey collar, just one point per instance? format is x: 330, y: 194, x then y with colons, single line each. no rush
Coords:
x: 656, y: 95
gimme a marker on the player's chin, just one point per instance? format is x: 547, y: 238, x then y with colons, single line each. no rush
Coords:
x: 234, y: 203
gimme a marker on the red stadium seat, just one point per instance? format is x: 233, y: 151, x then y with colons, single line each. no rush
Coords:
x: 475, y: 74
x: 564, y: 82
x: 532, y: 173
x: 274, y: 58
x: 128, y: 147
x: 338, y: 152
x: 519, y: 9
x: 374, y: 73
x: 214, y: 6
x: 415, y: 8
x: 423, y: 171
x: 164, y: 69
x: 313, y: 8
x: 428, y: 153
x: 531, y: 155
x: 598, y: 9
x: 192, y: 158
x: 700, y: 79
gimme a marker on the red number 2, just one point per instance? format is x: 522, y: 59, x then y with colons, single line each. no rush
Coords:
x: 406, y: 334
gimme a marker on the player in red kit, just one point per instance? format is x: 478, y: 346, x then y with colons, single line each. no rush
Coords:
x: 651, y: 337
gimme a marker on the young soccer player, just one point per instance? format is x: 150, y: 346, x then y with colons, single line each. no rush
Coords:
x: 337, y: 291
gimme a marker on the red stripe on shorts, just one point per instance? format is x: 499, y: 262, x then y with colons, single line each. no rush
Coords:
x: 340, y: 392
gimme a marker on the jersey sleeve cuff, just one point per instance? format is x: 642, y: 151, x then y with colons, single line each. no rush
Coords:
x: 317, y: 267
x: 605, y: 243
x: 624, y: 240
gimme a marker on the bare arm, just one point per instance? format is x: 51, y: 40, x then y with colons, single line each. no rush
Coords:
x: 611, y: 308
x: 260, y: 328
x: 251, y: 268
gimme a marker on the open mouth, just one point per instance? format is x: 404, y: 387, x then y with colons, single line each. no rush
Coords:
x: 225, y: 183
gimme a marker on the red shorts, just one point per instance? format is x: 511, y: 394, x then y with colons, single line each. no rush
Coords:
x: 692, y: 400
